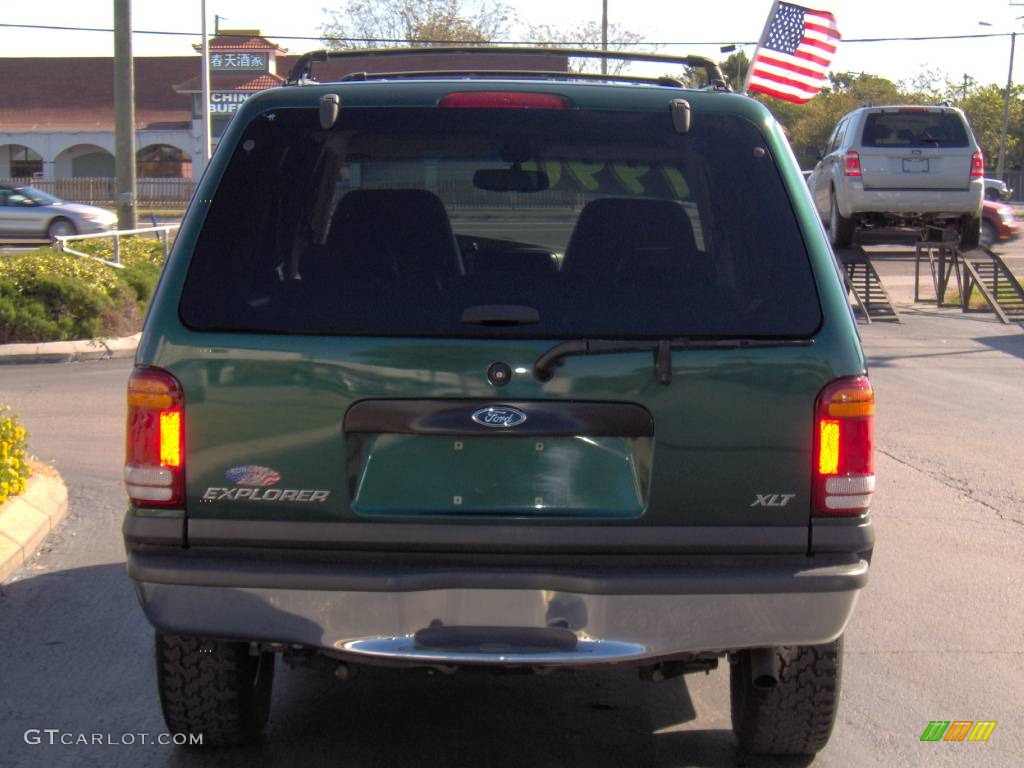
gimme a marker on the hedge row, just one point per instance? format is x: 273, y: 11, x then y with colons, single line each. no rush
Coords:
x: 13, y: 465
x: 46, y: 295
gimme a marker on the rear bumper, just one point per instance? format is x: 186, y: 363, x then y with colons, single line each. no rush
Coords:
x: 372, y: 607
x: 939, y: 203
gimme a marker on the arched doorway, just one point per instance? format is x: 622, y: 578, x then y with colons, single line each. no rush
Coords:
x: 20, y: 162
x: 84, y: 161
x: 163, y: 161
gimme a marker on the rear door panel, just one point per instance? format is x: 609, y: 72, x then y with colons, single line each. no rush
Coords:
x: 730, y: 442
x: 285, y: 310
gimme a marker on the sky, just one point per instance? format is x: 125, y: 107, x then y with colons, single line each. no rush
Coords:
x: 688, y: 21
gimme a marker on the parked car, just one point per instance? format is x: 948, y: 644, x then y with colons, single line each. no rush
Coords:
x: 608, y: 424
x: 996, y: 189
x: 27, y: 212
x: 998, y: 224
x: 906, y: 165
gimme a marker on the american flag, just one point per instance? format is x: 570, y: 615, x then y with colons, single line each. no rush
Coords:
x: 253, y: 474
x: 794, y: 53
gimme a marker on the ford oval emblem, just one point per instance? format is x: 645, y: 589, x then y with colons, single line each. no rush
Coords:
x: 499, y: 417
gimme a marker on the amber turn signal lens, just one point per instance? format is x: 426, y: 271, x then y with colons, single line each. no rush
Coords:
x: 150, y: 393
x: 850, y: 402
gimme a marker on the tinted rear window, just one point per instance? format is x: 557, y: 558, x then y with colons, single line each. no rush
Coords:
x: 914, y: 129
x: 484, y: 222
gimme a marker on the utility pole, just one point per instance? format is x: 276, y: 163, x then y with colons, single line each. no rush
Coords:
x: 1001, y: 162
x: 124, y: 115
x: 604, y: 35
x: 204, y: 108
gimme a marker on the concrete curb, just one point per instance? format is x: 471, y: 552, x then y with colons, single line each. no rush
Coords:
x: 69, y: 351
x: 26, y: 520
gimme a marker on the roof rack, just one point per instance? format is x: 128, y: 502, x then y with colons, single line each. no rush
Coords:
x: 525, y: 73
x: 303, y: 68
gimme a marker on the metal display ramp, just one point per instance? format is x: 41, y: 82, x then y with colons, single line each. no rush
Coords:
x: 979, y: 269
x: 863, y: 282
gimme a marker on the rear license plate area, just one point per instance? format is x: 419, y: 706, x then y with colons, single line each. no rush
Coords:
x: 500, y: 476
x: 915, y: 165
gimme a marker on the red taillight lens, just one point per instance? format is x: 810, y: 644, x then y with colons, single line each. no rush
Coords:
x: 977, y: 165
x: 844, y: 448
x: 154, y: 465
x: 851, y: 164
x: 503, y: 100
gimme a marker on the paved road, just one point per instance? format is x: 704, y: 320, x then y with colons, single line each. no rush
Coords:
x: 939, y: 634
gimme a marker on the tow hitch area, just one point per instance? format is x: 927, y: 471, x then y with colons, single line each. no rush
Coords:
x: 492, y: 645
x: 495, y: 639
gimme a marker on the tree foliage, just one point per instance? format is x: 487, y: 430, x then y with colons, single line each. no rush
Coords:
x: 393, y: 23
x: 810, y: 125
x: 735, y: 69
x: 984, y: 108
x: 588, y: 35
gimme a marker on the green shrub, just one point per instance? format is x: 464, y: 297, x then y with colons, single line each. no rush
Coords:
x: 13, y: 463
x: 46, y: 308
x: 124, y: 315
x: 141, y: 277
x: 132, y: 249
x: 25, y: 268
x: 53, y: 296
x: 23, y: 318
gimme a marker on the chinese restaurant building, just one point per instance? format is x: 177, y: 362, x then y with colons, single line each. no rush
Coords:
x: 57, y: 114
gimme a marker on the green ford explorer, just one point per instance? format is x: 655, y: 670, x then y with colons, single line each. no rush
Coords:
x: 506, y: 371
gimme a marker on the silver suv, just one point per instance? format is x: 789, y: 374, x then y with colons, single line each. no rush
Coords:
x: 900, y: 166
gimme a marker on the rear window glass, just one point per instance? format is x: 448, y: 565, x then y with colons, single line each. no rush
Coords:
x: 914, y: 129
x: 525, y: 223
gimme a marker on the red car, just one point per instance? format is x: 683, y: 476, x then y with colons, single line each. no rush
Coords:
x: 998, y: 223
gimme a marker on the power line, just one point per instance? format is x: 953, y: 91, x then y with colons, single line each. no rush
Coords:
x: 918, y: 38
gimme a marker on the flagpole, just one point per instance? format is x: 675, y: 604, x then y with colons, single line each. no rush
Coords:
x: 760, y: 42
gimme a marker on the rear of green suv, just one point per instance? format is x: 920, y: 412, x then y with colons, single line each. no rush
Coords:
x: 508, y: 373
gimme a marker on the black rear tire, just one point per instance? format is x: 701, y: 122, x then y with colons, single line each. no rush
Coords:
x: 988, y: 234
x: 840, y: 229
x: 970, y: 232
x: 796, y: 716
x: 215, y: 688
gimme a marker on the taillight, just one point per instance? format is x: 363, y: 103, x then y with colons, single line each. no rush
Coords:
x: 503, y: 100
x: 977, y: 165
x: 154, y: 465
x: 851, y: 164
x: 844, y: 448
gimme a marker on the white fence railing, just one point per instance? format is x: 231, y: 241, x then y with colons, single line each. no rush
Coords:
x: 163, y: 230
x: 151, y: 191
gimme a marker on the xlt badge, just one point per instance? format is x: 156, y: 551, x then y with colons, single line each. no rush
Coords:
x: 773, y: 499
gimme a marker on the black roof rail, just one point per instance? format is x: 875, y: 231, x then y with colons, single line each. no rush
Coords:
x: 525, y: 73
x: 303, y: 68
